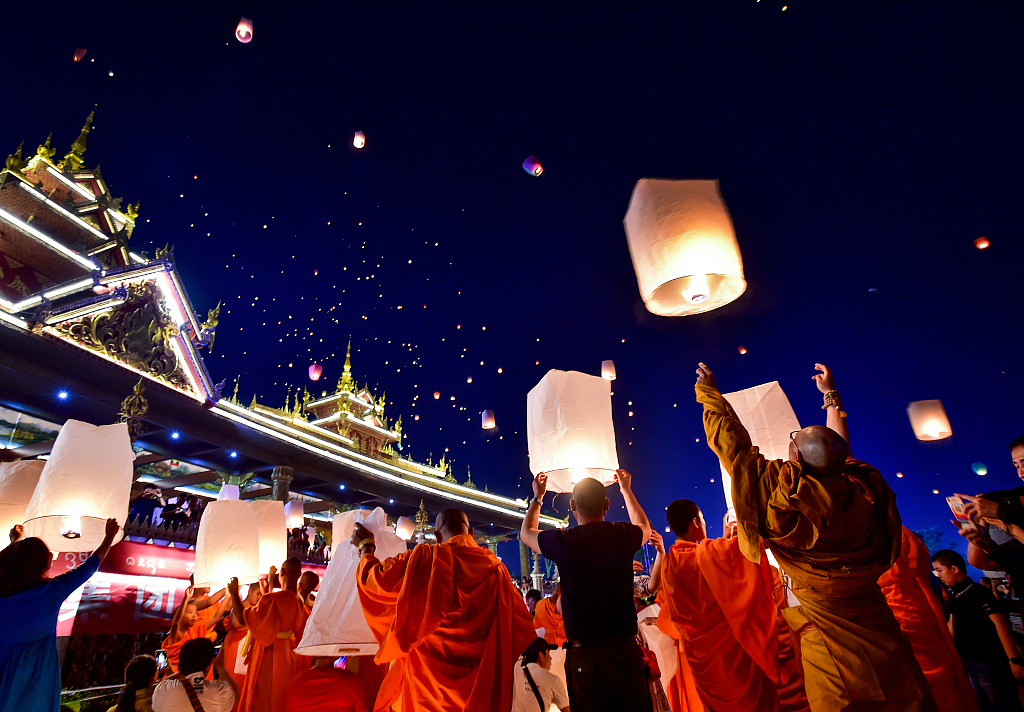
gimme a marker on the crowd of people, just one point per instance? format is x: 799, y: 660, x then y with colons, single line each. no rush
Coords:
x: 815, y: 598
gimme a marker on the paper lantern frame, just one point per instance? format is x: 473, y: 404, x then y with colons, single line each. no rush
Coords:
x: 18, y: 481
x: 929, y: 420
x: 227, y: 544
x: 271, y: 531
x: 608, y: 370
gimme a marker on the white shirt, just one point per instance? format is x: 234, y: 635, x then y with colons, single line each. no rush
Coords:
x: 215, y: 696
x: 552, y: 690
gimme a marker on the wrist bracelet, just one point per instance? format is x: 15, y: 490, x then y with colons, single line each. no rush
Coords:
x: 832, y: 399
x: 365, y: 542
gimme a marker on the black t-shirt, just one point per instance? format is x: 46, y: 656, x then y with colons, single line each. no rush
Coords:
x: 974, y: 633
x: 595, y: 563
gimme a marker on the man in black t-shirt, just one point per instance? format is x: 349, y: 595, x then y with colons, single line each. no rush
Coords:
x: 982, y: 636
x: 604, y: 666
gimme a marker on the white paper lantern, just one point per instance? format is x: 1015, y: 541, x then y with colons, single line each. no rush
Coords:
x: 769, y: 419
x: 929, y: 421
x: 270, y: 530
x: 228, y: 544
x: 683, y: 246
x: 228, y: 492
x: 17, y: 483
x: 488, y: 420
x: 338, y: 625
x: 294, y: 514
x: 87, y: 480
x: 405, y: 528
x: 569, y: 429
x: 608, y: 370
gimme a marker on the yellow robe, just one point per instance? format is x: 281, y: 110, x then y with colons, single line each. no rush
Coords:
x: 834, y: 536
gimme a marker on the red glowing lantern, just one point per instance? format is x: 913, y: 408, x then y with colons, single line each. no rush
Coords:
x: 532, y: 166
x: 742, y: 350
x: 243, y: 33
x: 315, y: 370
x: 982, y: 243
x: 80, y: 54
x: 437, y: 394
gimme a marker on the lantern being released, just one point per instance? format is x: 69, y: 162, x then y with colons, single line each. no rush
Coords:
x: 294, y: 514
x: 532, y: 166
x: 17, y: 483
x: 405, y: 528
x: 569, y: 429
x: 982, y: 243
x: 929, y: 421
x: 315, y: 370
x: 359, y: 139
x: 80, y: 54
x: 270, y: 529
x: 227, y: 544
x: 243, y: 33
x: 683, y: 246
x: 488, y: 420
x: 608, y: 370
x: 87, y: 480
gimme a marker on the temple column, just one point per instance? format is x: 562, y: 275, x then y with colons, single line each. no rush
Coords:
x: 281, y: 478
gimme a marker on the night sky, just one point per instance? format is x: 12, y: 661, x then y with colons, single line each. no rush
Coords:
x: 861, y: 148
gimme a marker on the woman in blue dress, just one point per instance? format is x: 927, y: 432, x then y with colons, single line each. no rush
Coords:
x: 29, y: 604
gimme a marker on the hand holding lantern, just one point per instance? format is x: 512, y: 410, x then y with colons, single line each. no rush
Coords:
x: 540, y: 486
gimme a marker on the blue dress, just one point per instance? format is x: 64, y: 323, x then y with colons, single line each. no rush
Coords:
x: 29, y: 665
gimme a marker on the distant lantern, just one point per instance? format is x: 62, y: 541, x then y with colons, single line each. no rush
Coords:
x: 488, y: 420
x: 608, y: 370
x: 243, y: 33
x: 437, y: 394
x: 742, y: 350
x: 87, y: 480
x: 569, y: 429
x: 272, y: 533
x: 17, y: 483
x: 683, y: 246
x: 405, y: 528
x: 980, y: 468
x: 929, y: 421
x: 294, y: 514
x: 80, y: 54
x: 315, y: 370
x: 982, y: 243
x: 227, y: 544
x: 532, y: 166
x: 359, y: 140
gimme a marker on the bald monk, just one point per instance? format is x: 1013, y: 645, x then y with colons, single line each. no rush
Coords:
x: 832, y: 523
x: 448, y: 619
x: 272, y: 624
x: 308, y: 581
x: 189, y: 622
x: 920, y: 615
x: 720, y: 605
x: 549, y: 617
x: 325, y: 687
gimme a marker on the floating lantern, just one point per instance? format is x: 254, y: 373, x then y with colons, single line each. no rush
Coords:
x: 359, y: 140
x: 683, y: 246
x: 243, y: 33
x: 608, y: 370
x: 532, y: 166
x: 87, y: 480
x: 980, y: 468
x: 271, y: 532
x: 315, y: 370
x: 294, y: 514
x: 405, y: 528
x: 437, y: 394
x: 18, y: 481
x: 488, y: 420
x: 80, y: 54
x: 742, y: 350
x: 929, y: 421
x: 982, y: 243
x: 227, y: 544
x: 569, y: 429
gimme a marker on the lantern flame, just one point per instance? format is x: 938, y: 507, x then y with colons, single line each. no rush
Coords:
x: 488, y: 420
x: 243, y: 33
x: 359, y: 140
x: 982, y: 243
x: 698, y: 291
x: 71, y: 527
x: 532, y: 166
x: 932, y: 428
x: 608, y: 370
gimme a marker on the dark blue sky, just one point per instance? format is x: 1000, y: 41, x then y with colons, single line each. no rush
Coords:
x: 861, y: 148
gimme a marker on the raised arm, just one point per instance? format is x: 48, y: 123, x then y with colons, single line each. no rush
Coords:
x: 237, y: 608
x: 633, y: 508
x: 112, y: 530
x: 531, y: 522
x: 835, y: 416
x: 1009, y: 644
x: 180, y: 611
x: 659, y: 544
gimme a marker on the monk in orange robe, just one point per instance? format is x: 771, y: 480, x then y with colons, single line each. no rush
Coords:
x: 308, y: 582
x: 448, y: 619
x: 547, y: 616
x: 920, y: 615
x: 272, y: 623
x: 832, y: 524
x: 236, y: 634
x: 720, y: 605
x: 792, y: 696
x: 681, y: 690
x: 325, y: 687
x: 190, y: 621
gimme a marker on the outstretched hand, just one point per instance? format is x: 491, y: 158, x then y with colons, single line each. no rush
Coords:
x: 659, y: 543
x: 824, y: 380
x: 705, y: 376
x: 624, y: 479
x: 359, y: 534
x: 540, y: 485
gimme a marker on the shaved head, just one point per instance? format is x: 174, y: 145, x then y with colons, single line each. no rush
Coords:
x: 588, y: 499
x: 449, y: 523
x: 821, y: 448
x: 680, y: 515
x: 291, y: 569
x: 308, y: 582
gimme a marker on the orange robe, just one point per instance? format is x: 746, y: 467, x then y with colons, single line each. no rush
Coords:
x: 721, y: 606
x: 198, y: 630
x: 302, y: 662
x: 920, y: 616
x: 546, y: 616
x: 272, y: 623
x: 321, y: 689
x: 450, y: 622
x: 682, y: 688
x: 792, y: 696
x: 232, y: 641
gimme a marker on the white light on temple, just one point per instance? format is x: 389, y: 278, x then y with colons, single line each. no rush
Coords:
x: 227, y: 544
x: 243, y: 32
x: 87, y: 480
x: 608, y: 370
x: 569, y: 429
x: 17, y: 483
x: 294, y: 514
x: 270, y: 529
x: 683, y: 245
x: 929, y: 421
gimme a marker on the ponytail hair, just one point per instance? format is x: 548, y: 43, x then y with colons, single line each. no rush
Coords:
x: 138, y: 674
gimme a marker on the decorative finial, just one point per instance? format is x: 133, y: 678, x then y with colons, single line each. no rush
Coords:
x: 345, y: 382
x: 45, y: 152
x: 234, y: 397
x: 73, y: 160
x: 469, y: 479
x: 133, y: 408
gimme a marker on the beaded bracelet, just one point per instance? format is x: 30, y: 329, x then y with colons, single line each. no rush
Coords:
x: 833, y: 399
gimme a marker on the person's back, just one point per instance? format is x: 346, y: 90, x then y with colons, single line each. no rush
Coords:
x: 324, y: 687
x: 535, y: 687
x: 176, y: 693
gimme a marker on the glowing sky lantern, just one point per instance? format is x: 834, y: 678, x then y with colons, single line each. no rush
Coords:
x: 359, y: 140
x: 437, y: 394
x: 80, y: 54
x: 532, y: 166
x: 742, y: 350
x: 315, y: 370
x: 227, y: 544
x: 683, y: 246
x: 929, y: 421
x: 405, y: 528
x: 17, y: 483
x: 271, y: 531
x: 294, y: 514
x: 569, y: 429
x: 87, y: 480
x: 488, y: 420
x: 243, y: 33
x: 608, y: 370
x: 982, y: 243
x: 980, y: 468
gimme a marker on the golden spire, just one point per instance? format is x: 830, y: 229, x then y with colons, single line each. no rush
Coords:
x: 345, y: 382
x: 234, y: 398
x: 45, y: 152
x: 73, y: 160
x: 15, y: 163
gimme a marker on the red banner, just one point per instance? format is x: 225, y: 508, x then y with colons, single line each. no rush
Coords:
x: 134, y: 558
